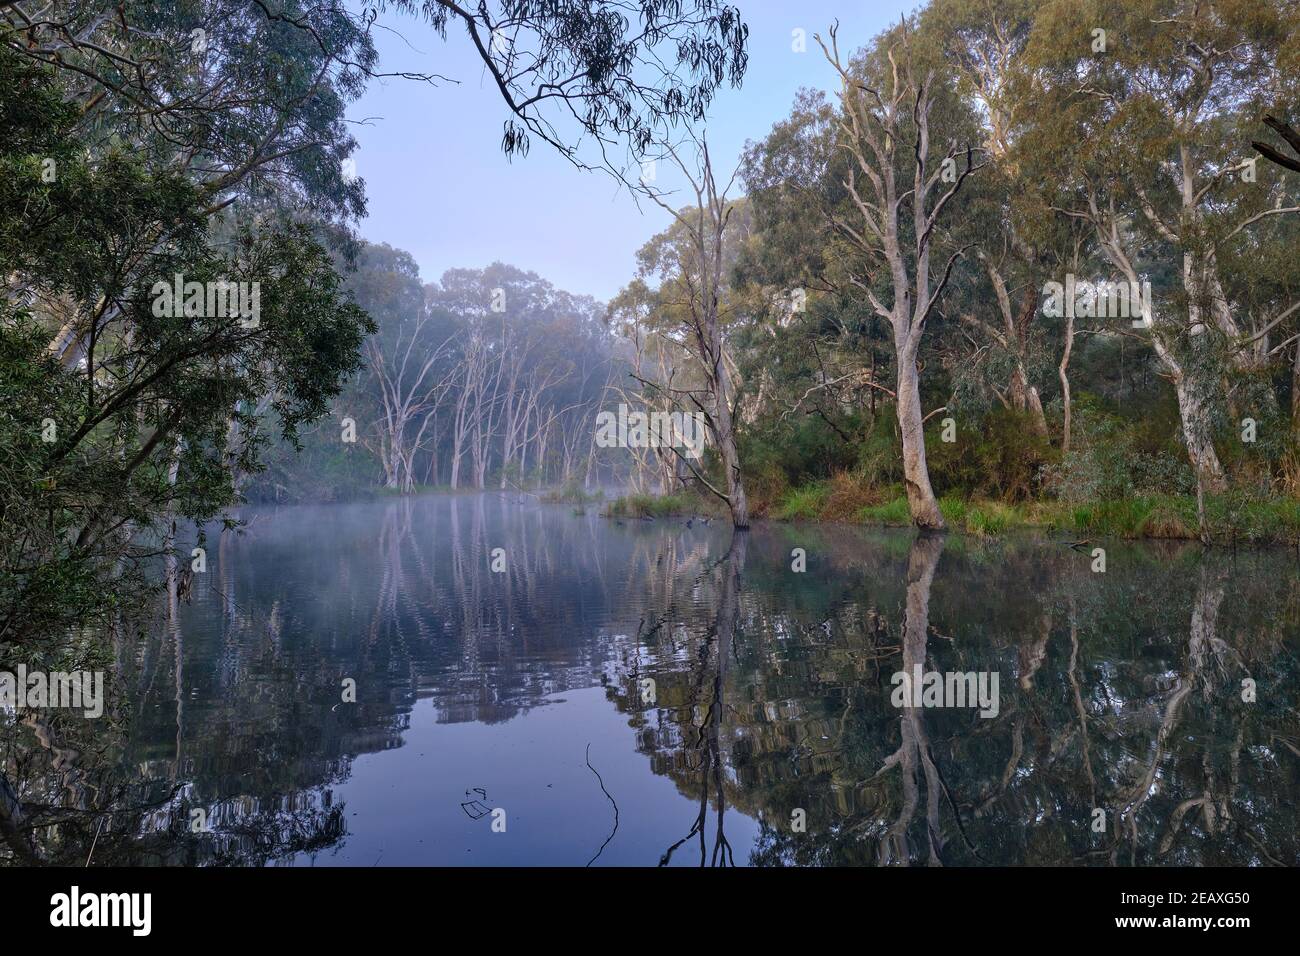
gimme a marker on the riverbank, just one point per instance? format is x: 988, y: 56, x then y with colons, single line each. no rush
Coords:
x: 1232, y: 519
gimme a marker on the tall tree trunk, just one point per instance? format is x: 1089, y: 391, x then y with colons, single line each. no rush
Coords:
x: 1184, y: 370
x: 736, y: 499
x: 706, y: 226
x: 1025, y: 398
x: 916, y: 474
x: 1196, y: 433
x: 1033, y: 401
x: 1062, y: 372
x: 1037, y: 418
x: 1295, y: 395
x: 872, y: 131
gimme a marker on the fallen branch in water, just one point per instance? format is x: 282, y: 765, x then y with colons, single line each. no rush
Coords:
x: 611, y: 800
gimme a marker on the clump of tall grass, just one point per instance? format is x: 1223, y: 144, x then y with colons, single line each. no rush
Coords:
x: 571, y: 494
x: 839, y: 498
x: 895, y: 512
x: 805, y: 502
x: 847, y: 493
x: 652, y: 506
x: 992, y: 518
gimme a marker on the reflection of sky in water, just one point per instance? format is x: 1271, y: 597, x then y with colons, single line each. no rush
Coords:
x: 404, y: 805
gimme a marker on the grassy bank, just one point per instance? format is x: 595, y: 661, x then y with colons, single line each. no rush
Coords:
x: 1232, y: 518
x: 1156, y: 516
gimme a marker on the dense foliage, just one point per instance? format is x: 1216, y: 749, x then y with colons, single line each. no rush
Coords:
x: 919, y: 232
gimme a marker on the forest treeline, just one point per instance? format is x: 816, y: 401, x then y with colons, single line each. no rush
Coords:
x: 1031, y: 253
x: 1029, y: 260
x: 486, y: 378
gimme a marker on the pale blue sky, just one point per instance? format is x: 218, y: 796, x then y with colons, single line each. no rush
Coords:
x: 440, y: 187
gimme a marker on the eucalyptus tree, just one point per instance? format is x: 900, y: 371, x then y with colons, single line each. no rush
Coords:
x: 657, y: 364
x: 1137, y: 120
x: 498, y: 365
x: 245, y: 103
x: 409, y: 362
x: 983, y: 44
x: 888, y: 103
x: 209, y: 139
x: 824, y: 351
x: 89, y: 449
x: 1278, y: 268
x: 693, y: 305
x: 625, y: 72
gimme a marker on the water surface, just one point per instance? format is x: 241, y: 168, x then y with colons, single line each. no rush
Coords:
x: 714, y: 695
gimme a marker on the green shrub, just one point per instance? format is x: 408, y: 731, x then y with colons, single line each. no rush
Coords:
x: 1113, y: 458
x: 999, y: 456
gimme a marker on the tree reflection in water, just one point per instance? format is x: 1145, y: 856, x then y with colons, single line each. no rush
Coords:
x: 1120, y: 692
x: 711, y: 682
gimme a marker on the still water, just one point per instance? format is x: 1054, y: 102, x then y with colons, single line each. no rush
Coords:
x: 645, y: 693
